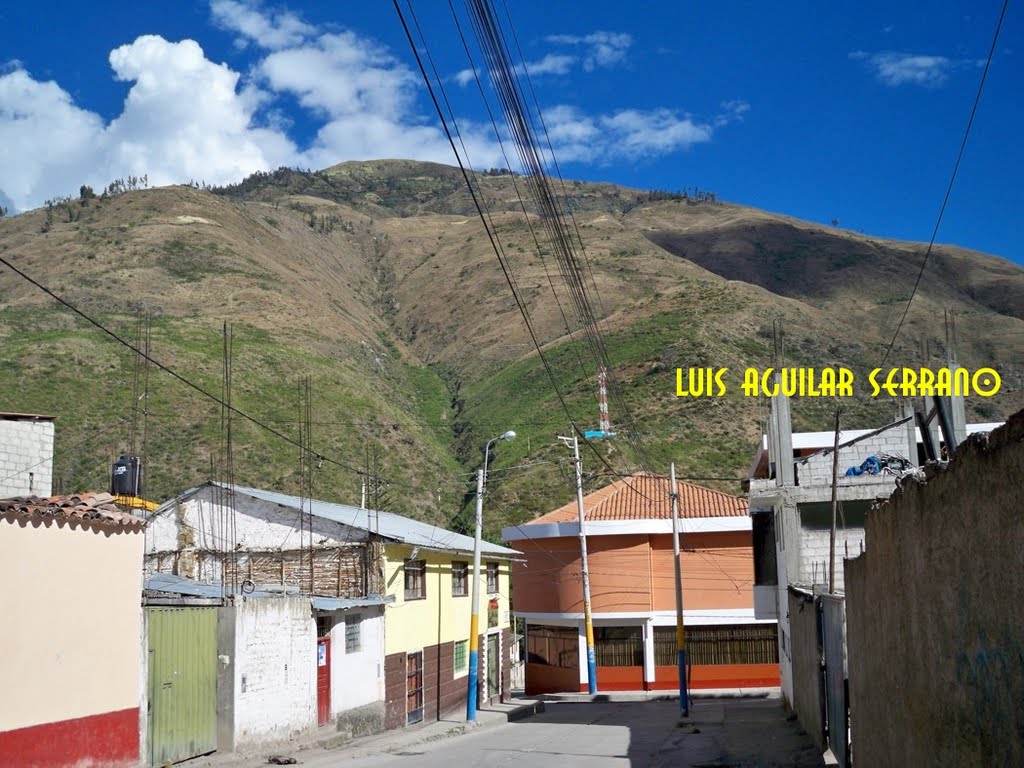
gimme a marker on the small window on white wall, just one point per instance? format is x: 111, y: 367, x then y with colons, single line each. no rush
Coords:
x: 353, y: 633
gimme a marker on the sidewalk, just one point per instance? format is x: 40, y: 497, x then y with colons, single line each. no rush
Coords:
x: 327, y: 742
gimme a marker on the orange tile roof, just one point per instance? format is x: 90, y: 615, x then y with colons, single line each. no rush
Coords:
x: 644, y: 496
x: 96, y: 508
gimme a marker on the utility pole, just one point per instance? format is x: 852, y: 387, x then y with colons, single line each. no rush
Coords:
x: 587, y: 619
x: 474, y: 618
x: 684, y: 696
x: 835, y: 508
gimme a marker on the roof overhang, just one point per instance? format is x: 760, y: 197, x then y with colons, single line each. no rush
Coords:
x: 625, y: 528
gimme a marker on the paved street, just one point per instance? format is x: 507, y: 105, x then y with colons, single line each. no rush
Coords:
x: 727, y: 733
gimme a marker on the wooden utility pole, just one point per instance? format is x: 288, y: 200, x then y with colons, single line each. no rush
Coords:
x: 835, y: 509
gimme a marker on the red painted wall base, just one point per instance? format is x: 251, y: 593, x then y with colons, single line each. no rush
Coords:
x: 110, y: 739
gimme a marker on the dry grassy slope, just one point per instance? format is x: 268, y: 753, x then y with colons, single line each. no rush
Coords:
x: 301, y: 303
x: 406, y: 276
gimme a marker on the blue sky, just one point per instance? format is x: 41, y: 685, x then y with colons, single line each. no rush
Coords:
x: 848, y: 111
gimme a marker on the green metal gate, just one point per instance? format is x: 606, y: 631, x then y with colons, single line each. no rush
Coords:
x: 182, y: 716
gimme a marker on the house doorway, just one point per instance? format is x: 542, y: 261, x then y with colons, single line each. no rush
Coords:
x: 414, y: 688
x: 493, y: 666
x: 323, y: 680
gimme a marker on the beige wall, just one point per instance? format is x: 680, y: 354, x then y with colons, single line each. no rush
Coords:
x: 71, y: 621
x: 935, y: 628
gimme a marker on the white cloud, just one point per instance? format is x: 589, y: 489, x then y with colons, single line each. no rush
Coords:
x: 267, y: 30
x: 602, y: 49
x: 895, y: 68
x: 183, y: 118
x: 186, y: 117
x: 627, y: 134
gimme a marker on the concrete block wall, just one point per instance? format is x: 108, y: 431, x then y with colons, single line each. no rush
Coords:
x: 814, y: 551
x: 818, y: 469
x: 275, y: 668
x: 26, y: 458
x: 935, y: 633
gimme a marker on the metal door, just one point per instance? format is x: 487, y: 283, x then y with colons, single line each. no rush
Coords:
x: 182, y: 711
x: 833, y: 642
x: 493, y: 666
x: 414, y: 688
x: 323, y: 681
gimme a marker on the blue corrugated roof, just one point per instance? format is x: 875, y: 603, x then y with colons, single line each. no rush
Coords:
x: 391, y: 526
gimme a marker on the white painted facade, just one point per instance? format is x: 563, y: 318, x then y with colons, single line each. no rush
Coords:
x: 206, y: 521
x: 274, y: 670
x: 26, y: 455
x: 357, y: 678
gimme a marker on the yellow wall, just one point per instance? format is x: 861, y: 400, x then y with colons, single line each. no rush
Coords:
x: 71, y: 612
x: 410, y: 625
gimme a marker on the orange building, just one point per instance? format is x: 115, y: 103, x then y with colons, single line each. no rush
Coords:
x: 628, y: 527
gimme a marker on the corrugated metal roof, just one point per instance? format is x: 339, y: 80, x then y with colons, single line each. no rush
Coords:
x: 11, y: 416
x: 340, y: 603
x: 96, y: 508
x: 644, y: 496
x: 179, y: 585
x: 391, y: 526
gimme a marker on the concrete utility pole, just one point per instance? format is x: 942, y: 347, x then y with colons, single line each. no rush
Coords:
x: 684, y: 696
x: 474, y: 617
x: 835, y: 507
x: 587, y: 620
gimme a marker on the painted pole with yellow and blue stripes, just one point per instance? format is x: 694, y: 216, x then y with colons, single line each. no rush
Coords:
x: 684, y: 695
x: 474, y: 620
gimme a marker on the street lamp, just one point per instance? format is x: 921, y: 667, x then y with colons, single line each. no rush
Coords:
x: 474, y: 619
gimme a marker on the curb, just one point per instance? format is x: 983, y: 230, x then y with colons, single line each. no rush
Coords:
x: 526, y: 710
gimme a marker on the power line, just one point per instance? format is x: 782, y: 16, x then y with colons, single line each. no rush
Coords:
x: 168, y: 370
x: 952, y: 178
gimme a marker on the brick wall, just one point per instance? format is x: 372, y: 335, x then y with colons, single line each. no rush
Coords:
x: 814, y: 550
x: 26, y: 458
x: 935, y: 632
x: 443, y: 693
x: 394, y: 691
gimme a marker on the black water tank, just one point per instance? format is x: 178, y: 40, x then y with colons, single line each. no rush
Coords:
x: 126, y: 476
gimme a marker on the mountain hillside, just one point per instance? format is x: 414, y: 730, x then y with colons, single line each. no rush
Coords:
x: 378, y: 281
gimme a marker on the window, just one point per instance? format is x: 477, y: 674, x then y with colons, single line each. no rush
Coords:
x: 353, y: 633
x: 324, y: 625
x: 492, y: 578
x: 461, y: 657
x: 415, y: 579
x: 460, y: 579
x: 733, y: 644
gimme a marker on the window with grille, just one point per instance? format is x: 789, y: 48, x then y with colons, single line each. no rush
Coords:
x: 461, y: 657
x: 460, y: 579
x: 324, y: 624
x: 492, y: 578
x: 731, y: 644
x: 415, y: 579
x: 353, y: 633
